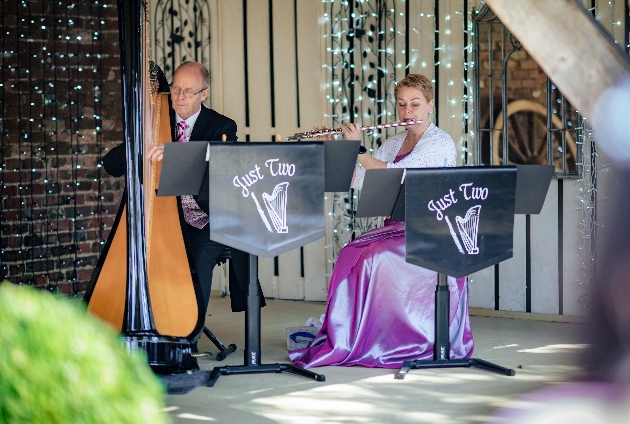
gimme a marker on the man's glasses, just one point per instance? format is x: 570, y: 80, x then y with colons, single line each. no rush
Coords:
x: 188, y: 93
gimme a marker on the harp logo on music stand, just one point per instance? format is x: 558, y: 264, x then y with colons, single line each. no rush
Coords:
x: 276, y: 204
x: 468, y: 228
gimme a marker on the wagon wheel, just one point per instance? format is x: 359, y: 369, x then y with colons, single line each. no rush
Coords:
x: 527, y: 137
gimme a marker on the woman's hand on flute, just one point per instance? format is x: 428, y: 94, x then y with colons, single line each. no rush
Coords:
x: 352, y: 131
x: 156, y: 152
x: 321, y: 129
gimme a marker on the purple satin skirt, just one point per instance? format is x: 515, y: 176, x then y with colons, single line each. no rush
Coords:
x: 381, y: 309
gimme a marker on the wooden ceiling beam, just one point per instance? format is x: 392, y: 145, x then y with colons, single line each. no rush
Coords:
x: 573, y: 49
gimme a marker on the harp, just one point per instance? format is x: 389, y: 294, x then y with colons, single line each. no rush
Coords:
x: 276, y: 204
x: 142, y: 284
x: 468, y: 227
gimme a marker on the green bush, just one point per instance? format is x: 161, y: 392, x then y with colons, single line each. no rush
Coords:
x: 60, y: 365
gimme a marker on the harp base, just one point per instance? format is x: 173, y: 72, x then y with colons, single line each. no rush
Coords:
x: 166, y: 355
x: 442, y: 344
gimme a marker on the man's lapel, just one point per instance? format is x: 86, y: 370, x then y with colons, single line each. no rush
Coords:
x: 200, y: 130
x: 172, y: 119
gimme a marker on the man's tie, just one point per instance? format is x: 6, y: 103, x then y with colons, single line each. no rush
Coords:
x: 193, y: 214
x: 182, y: 126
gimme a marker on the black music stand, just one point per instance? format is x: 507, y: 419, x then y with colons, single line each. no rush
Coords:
x: 239, y: 220
x: 436, y: 246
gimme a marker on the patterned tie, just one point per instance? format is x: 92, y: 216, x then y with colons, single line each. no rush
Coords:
x: 193, y: 214
x: 182, y: 126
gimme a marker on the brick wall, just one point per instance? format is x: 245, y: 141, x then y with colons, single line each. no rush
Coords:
x: 526, y: 80
x: 60, y: 112
x: 527, y: 121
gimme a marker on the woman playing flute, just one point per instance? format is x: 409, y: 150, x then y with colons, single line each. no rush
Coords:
x: 380, y: 308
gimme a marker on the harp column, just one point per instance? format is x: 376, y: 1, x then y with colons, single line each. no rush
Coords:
x: 138, y: 319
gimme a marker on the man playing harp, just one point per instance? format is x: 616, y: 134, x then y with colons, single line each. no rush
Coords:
x: 191, y: 121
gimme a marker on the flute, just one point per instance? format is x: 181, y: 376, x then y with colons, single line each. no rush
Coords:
x: 311, y: 134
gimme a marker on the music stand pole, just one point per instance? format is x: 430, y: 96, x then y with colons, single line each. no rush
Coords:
x: 252, y: 339
x: 442, y: 344
x: 252, y: 316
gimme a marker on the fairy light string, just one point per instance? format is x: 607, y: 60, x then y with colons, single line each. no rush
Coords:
x: 348, y: 27
x: 54, y: 199
x: 368, y: 48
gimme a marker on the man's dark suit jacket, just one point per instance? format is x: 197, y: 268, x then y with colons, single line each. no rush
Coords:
x: 210, y: 126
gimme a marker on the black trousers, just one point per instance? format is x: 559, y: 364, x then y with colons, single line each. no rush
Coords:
x: 205, y: 253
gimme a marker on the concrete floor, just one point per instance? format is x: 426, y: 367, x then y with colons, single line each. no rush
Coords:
x: 542, y: 353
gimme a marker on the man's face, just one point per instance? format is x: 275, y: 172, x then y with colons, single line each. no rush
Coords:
x: 188, y: 79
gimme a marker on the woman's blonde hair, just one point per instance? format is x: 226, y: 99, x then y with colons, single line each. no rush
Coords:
x: 418, y: 81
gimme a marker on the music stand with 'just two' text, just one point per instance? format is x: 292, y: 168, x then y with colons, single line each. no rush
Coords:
x: 457, y: 221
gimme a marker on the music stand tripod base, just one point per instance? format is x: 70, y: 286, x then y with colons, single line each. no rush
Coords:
x: 442, y: 343
x: 453, y: 363
x: 252, y: 340
x: 252, y: 369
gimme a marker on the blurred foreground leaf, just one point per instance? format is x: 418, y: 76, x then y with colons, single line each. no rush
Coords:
x: 60, y: 365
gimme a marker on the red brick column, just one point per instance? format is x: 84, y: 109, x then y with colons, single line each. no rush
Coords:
x: 60, y: 111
